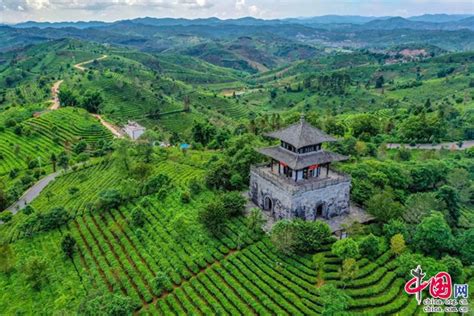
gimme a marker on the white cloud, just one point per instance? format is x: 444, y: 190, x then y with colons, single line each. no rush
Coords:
x: 253, y: 9
x: 240, y: 4
x: 244, y: 8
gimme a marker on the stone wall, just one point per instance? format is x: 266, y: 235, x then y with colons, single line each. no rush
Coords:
x: 333, y: 199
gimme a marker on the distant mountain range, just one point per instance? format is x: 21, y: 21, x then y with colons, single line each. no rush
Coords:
x: 252, y: 44
x: 427, y: 21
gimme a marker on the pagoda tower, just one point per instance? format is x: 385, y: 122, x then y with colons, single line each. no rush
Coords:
x: 298, y: 182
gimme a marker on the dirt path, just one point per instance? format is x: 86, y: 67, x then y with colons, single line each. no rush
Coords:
x: 116, y: 131
x: 80, y: 66
x: 112, y: 128
x: 450, y: 145
x: 55, y: 93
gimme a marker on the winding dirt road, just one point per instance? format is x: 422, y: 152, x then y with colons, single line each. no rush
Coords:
x: 81, y: 67
x: 112, y: 128
x: 54, y: 93
x: 116, y: 131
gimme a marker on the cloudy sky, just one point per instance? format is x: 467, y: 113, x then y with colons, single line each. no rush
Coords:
x: 12, y: 11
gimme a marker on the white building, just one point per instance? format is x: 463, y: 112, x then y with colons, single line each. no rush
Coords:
x: 134, y: 130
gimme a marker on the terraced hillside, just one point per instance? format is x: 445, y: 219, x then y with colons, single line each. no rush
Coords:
x: 36, y: 138
x: 259, y: 280
x: 202, y: 275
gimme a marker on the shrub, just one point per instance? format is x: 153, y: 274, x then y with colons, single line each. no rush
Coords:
x: 27, y: 210
x: 195, y: 186
x: 106, y: 304
x: 185, y: 197
x: 161, y: 282
x: 35, y: 272
x: 6, y: 216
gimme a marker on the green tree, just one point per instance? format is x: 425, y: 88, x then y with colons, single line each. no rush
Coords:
x: 109, y: 199
x: 433, y: 235
x: 397, y: 244
x: 310, y: 236
x: 218, y: 175
x: 122, y: 154
x: 348, y: 270
x: 54, y: 161
x: 3, y: 200
x: 455, y: 268
x: 283, y: 237
x: 395, y: 226
x: 54, y: 218
x: 92, y: 101
x: 138, y: 217
x: 370, y: 247
x: 80, y: 147
x: 255, y: 221
x: 68, y: 246
x: 63, y: 160
x: 420, y: 205
x: 465, y: 246
x: 335, y: 301
x: 213, y: 216
x: 156, y: 184
x: 234, y: 203
x: 459, y: 178
x: 379, y: 82
x: 67, y: 98
x: 450, y: 197
x: 345, y: 248
x: 408, y: 261
x: 384, y: 207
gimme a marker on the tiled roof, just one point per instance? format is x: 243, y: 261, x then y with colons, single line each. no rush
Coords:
x: 301, y: 134
x: 299, y: 161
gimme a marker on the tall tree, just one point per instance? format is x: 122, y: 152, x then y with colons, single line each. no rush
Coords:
x: 54, y: 161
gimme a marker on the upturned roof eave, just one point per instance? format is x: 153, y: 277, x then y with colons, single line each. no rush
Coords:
x: 300, y: 161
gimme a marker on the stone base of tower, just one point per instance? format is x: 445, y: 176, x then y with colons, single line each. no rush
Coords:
x: 283, y: 198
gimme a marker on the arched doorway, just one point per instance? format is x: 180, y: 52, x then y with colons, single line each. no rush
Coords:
x: 319, y: 211
x: 268, y: 204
